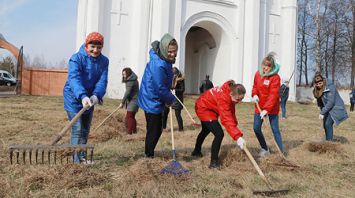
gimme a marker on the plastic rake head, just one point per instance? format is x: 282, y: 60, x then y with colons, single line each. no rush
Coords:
x: 174, y: 168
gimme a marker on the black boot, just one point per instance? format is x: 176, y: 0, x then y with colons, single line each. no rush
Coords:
x: 196, y: 154
x: 215, y: 164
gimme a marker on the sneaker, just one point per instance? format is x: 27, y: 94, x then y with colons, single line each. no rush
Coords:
x: 214, y: 164
x: 86, y: 162
x: 264, y: 152
x: 196, y: 154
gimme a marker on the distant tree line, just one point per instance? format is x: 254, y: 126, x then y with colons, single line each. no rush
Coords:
x: 326, y: 41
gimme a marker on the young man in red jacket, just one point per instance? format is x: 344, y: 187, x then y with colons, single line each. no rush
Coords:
x: 219, y: 101
x: 266, y: 92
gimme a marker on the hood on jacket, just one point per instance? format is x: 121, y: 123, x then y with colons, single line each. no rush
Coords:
x: 132, y: 77
x: 161, y: 47
x: 272, y: 72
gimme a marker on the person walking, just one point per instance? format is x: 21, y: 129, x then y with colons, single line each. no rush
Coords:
x: 284, y: 93
x: 154, y: 92
x: 206, y: 84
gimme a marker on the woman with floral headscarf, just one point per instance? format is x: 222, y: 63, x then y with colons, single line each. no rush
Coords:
x: 86, y: 85
x: 330, y: 103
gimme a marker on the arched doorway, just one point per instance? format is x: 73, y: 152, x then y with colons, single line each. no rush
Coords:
x: 210, y: 42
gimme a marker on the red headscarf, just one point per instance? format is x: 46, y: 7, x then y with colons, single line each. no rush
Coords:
x: 94, y: 36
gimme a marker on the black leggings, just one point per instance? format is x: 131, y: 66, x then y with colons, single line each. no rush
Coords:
x: 154, y: 130
x: 207, y: 127
x: 178, y: 118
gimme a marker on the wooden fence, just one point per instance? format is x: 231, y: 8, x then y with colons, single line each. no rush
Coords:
x: 43, y: 82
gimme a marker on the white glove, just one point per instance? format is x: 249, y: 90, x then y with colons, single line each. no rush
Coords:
x: 86, y: 101
x: 255, y: 99
x: 241, y: 143
x: 321, y: 116
x: 263, y: 113
x: 94, y: 100
x: 121, y: 105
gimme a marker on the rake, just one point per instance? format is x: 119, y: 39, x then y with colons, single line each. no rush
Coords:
x: 51, y: 152
x: 284, y: 161
x: 271, y: 190
x: 187, y: 111
x: 174, y: 167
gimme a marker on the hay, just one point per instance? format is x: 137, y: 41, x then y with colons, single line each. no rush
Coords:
x: 324, y: 147
x: 275, y: 162
x: 232, y: 156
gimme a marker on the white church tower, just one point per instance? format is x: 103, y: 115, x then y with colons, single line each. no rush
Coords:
x: 226, y: 39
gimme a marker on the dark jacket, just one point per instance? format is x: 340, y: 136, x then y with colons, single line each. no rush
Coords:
x: 131, y: 94
x: 205, y: 85
x: 284, y: 92
x: 179, y: 88
x: 333, y: 104
x: 352, y: 96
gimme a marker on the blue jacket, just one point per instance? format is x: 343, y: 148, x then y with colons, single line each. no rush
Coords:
x: 333, y: 104
x: 154, y: 91
x: 87, y: 76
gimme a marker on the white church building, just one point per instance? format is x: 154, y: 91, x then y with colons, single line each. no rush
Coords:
x: 225, y: 39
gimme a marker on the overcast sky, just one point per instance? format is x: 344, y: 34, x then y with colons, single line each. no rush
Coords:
x: 44, y: 27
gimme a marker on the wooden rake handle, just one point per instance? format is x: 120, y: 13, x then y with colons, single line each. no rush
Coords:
x: 172, y: 132
x: 273, y: 140
x: 107, y: 118
x: 257, y: 168
x: 187, y: 111
x: 70, y: 124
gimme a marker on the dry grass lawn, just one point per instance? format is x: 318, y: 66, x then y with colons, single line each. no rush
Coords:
x: 120, y: 169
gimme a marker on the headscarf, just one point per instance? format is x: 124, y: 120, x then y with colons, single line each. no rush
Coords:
x: 94, y: 36
x: 164, y: 44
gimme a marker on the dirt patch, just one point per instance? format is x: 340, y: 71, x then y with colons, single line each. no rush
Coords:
x: 325, y: 147
x: 230, y: 157
x: 340, y: 139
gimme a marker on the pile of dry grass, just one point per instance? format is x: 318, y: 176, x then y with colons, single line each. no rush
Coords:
x: 325, y: 147
x: 275, y: 162
x: 64, y: 177
x: 232, y: 156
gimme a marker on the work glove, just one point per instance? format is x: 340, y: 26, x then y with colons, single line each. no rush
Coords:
x: 94, y: 100
x: 241, y: 143
x: 255, y: 99
x: 263, y: 113
x: 86, y: 101
x: 321, y: 116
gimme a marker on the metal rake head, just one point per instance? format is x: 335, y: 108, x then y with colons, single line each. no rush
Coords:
x: 174, y: 168
x: 43, y: 154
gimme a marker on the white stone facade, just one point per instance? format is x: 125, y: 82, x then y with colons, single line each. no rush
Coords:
x: 225, y: 39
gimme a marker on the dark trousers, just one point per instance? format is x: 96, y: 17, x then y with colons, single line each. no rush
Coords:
x: 351, y: 106
x: 207, y: 127
x: 131, y: 122
x: 177, y: 115
x: 154, y: 130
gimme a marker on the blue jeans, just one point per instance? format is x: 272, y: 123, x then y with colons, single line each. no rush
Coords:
x: 328, y: 123
x: 283, y: 108
x: 274, y: 123
x: 80, y: 132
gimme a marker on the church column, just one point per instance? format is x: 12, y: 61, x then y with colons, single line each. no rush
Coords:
x: 93, y: 16
x: 160, y: 19
x: 288, y: 37
x: 177, y: 33
x: 81, y: 22
x: 251, y: 42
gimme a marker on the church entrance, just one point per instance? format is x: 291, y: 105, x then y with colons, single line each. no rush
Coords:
x: 207, y: 52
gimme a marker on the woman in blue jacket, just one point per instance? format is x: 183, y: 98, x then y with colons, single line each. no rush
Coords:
x: 86, y: 85
x: 330, y: 103
x: 155, y: 93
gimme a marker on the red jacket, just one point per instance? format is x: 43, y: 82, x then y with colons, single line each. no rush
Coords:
x: 217, y: 102
x: 267, y: 89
